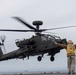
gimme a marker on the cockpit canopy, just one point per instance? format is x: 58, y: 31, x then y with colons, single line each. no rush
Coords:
x: 50, y: 37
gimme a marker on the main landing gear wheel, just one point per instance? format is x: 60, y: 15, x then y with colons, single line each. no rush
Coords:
x: 39, y: 58
x: 52, y: 58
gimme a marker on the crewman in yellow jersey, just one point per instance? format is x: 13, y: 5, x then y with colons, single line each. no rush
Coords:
x: 70, y: 50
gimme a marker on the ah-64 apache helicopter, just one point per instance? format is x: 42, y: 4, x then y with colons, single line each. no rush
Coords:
x: 36, y: 45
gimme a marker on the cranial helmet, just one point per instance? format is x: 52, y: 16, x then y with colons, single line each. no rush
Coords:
x: 70, y: 42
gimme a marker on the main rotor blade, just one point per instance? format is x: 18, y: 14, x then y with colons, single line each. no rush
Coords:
x: 25, y: 23
x: 17, y: 30
x: 49, y: 32
x: 57, y: 28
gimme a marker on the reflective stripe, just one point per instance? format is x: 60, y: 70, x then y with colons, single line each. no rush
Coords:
x: 70, y: 50
x: 71, y: 54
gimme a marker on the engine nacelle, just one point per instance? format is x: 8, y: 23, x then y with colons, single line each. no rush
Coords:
x: 24, y: 42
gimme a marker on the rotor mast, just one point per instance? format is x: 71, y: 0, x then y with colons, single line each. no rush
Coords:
x: 37, y: 24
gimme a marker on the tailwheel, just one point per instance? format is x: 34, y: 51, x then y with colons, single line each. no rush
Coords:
x: 39, y: 58
x: 52, y: 58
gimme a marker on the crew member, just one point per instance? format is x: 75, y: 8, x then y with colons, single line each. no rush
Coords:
x: 70, y: 50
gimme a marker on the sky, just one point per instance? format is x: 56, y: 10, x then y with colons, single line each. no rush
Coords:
x: 53, y: 13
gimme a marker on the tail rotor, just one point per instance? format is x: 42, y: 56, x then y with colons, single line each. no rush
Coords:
x: 3, y: 37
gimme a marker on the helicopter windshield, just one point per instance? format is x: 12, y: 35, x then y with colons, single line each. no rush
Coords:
x: 49, y: 37
x: 44, y: 38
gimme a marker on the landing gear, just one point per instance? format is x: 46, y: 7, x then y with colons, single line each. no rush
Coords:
x: 39, y: 58
x: 52, y: 58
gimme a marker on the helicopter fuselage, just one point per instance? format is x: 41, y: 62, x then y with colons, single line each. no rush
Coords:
x: 39, y: 45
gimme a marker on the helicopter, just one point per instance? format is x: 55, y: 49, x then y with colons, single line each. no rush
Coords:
x: 38, y: 45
